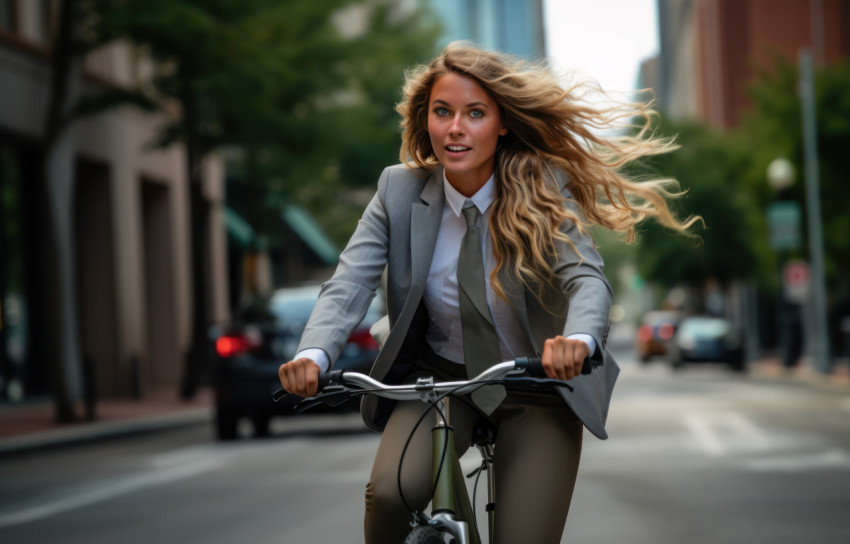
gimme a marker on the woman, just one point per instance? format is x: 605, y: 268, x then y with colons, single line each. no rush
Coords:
x: 505, y: 140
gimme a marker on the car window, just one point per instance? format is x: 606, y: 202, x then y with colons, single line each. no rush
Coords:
x: 295, y: 307
x: 705, y: 328
x: 292, y: 309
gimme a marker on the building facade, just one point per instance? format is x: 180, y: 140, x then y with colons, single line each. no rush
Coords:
x: 120, y: 217
x: 510, y: 26
x: 710, y: 49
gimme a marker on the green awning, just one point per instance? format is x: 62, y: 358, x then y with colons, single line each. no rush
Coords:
x: 311, y: 233
x: 239, y: 229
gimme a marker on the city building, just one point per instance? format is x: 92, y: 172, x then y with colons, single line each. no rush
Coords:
x: 116, y: 218
x: 510, y: 26
x: 710, y: 49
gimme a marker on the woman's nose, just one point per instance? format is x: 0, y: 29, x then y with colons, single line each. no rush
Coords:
x: 456, y: 128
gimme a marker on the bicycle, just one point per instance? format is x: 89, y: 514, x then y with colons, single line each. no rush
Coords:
x: 452, y: 514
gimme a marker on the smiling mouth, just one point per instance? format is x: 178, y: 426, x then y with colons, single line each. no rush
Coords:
x: 457, y: 148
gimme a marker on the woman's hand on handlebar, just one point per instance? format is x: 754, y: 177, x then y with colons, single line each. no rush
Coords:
x: 563, y: 358
x: 300, y: 377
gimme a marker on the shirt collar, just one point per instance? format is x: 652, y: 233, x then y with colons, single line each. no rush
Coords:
x: 482, y: 199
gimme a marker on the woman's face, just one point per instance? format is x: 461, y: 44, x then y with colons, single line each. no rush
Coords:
x: 464, y: 124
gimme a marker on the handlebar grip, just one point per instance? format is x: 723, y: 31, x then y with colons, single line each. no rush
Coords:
x: 333, y: 377
x: 534, y: 366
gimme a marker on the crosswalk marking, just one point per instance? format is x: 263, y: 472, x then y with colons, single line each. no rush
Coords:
x: 805, y: 461
x: 721, y: 433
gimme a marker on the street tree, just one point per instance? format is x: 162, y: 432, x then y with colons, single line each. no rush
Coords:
x: 773, y: 128
x: 709, y: 167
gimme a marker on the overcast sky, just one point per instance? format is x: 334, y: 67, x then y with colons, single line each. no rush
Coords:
x: 602, y: 39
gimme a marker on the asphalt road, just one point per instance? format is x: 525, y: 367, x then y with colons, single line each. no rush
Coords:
x: 698, y: 456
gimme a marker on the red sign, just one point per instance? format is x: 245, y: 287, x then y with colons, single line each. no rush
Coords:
x: 795, y: 280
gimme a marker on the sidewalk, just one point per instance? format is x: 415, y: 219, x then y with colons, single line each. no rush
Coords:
x: 770, y: 368
x: 31, y: 425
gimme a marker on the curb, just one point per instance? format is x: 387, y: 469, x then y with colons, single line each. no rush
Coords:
x: 804, y: 376
x: 89, y: 432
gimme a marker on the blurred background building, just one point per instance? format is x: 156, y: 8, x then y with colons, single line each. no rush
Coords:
x: 94, y: 228
x: 512, y: 26
x: 711, y: 50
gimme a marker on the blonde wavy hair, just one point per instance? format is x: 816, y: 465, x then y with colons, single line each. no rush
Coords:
x: 550, y: 128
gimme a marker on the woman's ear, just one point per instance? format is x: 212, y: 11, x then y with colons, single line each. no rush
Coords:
x: 503, y: 131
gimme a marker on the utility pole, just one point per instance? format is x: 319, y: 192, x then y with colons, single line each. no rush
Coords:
x: 819, y: 348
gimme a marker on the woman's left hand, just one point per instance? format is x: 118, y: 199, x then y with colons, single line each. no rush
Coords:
x: 563, y: 357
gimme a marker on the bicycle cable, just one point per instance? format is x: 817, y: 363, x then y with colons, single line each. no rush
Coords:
x: 433, y: 406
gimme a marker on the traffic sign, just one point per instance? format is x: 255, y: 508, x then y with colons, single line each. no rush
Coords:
x: 796, y: 276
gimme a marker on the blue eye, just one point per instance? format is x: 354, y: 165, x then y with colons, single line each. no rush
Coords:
x: 476, y: 114
x: 440, y: 111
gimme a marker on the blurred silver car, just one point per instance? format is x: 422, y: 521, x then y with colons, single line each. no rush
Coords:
x: 700, y: 339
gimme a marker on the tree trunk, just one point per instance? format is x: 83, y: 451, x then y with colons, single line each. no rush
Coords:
x: 46, y: 340
x: 197, y: 357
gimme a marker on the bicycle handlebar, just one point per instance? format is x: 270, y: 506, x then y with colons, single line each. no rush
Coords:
x: 357, y: 382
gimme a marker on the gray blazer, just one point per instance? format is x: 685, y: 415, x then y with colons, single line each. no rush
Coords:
x: 398, y: 231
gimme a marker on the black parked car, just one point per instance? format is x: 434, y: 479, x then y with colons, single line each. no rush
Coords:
x: 264, y: 336
x: 701, y: 339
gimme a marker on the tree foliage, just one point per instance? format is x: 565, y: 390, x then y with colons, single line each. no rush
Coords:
x: 709, y: 168
x: 304, y: 105
x: 773, y: 128
x: 724, y: 174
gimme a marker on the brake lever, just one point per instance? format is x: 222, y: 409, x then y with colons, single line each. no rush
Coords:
x: 333, y: 395
x: 535, y: 383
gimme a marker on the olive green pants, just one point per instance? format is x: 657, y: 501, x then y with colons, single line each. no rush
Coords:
x: 537, y: 452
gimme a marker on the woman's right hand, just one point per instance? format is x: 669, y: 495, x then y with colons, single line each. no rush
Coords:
x: 300, y: 377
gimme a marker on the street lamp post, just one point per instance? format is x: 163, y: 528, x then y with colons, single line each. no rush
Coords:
x: 783, y: 217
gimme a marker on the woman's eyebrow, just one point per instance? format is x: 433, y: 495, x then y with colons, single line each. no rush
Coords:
x: 470, y: 105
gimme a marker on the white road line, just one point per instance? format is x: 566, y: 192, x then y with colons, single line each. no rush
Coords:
x: 720, y: 433
x: 111, y: 490
x: 795, y: 463
x: 323, y: 478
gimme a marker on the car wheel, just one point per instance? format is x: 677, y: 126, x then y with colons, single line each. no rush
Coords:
x: 225, y: 424
x: 738, y: 365
x: 675, y: 358
x: 261, y: 426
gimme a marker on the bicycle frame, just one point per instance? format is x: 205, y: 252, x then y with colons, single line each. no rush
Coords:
x: 450, y: 506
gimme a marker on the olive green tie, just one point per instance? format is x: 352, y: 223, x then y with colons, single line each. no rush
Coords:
x: 480, y: 341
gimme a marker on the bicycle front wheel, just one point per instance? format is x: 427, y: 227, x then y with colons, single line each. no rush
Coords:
x: 422, y: 534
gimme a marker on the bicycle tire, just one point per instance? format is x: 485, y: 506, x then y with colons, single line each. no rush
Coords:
x: 423, y: 534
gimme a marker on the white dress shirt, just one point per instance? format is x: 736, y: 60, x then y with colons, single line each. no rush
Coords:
x: 444, y: 333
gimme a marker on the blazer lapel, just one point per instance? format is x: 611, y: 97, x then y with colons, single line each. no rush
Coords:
x: 425, y: 217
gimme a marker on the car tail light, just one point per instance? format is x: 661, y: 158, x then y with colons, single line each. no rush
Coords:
x: 363, y: 340
x: 665, y: 331
x: 231, y: 345
x: 644, y: 333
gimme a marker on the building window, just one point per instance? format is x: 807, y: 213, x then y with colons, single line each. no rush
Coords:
x: 8, y: 15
